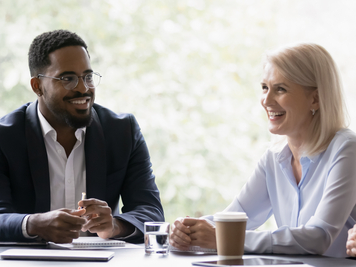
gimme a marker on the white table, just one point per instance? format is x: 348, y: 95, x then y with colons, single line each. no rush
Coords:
x: 136, y: 257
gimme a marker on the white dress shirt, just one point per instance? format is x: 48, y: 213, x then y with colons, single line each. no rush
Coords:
x: 67, y: 174
x: 312, y: 216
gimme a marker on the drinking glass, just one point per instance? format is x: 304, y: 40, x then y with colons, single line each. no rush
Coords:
x: 157, y: 238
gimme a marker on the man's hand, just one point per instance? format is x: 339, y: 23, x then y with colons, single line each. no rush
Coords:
x: 351, y: 242
x: 192, y: 232
x: 59, y: 226
x: 99, y: 218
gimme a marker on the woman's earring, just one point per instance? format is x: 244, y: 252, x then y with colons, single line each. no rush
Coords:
x: 313, y: 112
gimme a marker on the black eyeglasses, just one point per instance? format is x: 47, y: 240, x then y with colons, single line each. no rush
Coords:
x: 70, y: 81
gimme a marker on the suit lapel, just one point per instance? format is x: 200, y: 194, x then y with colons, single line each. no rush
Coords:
x: 95, y: 159
x: 38, y: 160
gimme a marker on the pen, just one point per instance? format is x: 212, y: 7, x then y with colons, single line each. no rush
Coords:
x: 84, y: 196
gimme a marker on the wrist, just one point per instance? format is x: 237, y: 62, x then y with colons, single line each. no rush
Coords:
x: 24, y: 228
x: 31, y: 225
x: 122, y: 228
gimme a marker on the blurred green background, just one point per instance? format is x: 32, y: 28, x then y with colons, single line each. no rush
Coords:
x: 189, y: 70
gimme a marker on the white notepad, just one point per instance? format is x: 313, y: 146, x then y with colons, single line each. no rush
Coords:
x: 95, y: 242
x: 54, y: 254
x: 90, y: 242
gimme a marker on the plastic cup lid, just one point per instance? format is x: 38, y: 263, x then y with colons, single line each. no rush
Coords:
x: 230, y: 216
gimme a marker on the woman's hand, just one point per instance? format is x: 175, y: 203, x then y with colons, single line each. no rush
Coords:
x: 351, y: 242
x: 192, y: 232
x: 179, y: 236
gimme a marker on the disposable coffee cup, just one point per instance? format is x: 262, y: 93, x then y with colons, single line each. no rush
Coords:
x: 230, y: 234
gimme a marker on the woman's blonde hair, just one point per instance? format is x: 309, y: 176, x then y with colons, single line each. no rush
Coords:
x: 311, y: 66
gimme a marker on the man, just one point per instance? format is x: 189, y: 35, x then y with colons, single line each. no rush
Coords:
x: 63, y: 144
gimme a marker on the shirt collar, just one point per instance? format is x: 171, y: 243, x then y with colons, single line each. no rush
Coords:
x: 286, y: 154
x: 47, y: 128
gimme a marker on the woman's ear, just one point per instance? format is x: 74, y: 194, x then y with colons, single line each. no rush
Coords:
x: 315, y: 103
x: 35, y: 85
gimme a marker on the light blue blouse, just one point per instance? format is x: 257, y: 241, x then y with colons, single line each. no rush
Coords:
x: 313, y: 216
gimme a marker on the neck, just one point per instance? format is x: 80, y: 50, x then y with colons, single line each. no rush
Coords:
x: 66, y: 137
x: 296, y: 147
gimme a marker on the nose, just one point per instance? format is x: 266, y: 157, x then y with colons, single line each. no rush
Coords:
x: 81, y: 86
x: 267, y: 98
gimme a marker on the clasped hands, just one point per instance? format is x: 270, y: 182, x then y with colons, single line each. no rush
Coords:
x: 351, y: 242
x: 64, y: 225
x: 192, y: 232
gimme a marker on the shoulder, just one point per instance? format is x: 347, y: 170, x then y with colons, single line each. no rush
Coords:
x: 111, y: 121
x: 346, y: 134
x: 118, y: 129
x: 342, y: 145
x: 14, y: 119
x: 342, y: 138
x: 108, y: 116
x: 105, y: 113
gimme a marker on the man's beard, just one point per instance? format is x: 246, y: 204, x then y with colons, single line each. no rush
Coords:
x: 77, y: 123
x: 72, y: 121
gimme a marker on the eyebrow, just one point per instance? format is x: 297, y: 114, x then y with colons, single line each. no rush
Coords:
x: 276, y: 84
x: 72, y: 72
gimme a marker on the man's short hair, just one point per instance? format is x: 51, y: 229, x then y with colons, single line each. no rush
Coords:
x: 45, y: 44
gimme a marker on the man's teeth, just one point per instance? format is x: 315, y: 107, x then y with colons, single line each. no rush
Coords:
x: 78, y: 101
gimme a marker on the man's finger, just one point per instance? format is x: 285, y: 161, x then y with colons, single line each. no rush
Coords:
x: 91, y: 201
x: 73, y: 218
x: 98, y: 209
x: 100, y: 228
x: 64, y: 237
x: 79, y: 213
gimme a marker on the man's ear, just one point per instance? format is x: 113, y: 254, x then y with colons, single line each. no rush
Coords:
x: 315, y: 103
x: 35, y: 85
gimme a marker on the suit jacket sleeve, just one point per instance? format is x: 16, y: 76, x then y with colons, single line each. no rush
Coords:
x: 10, y: 222
x: 127, y: 169
x: 17, y: 196
x: 140, y: 195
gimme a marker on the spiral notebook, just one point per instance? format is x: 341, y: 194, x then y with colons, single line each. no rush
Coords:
x: 195, y: 249
x: 90, y: 242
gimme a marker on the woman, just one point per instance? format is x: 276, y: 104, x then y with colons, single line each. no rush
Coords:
x: 309, y: 184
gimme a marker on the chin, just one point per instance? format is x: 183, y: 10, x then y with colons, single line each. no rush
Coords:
x: 275, y: 131
x: 80, y: 121
x: 83, y: 111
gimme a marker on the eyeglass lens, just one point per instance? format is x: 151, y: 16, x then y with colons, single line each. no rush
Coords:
x: 91, y: 80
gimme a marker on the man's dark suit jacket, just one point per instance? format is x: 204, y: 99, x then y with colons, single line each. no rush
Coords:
x: 117, y: 163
